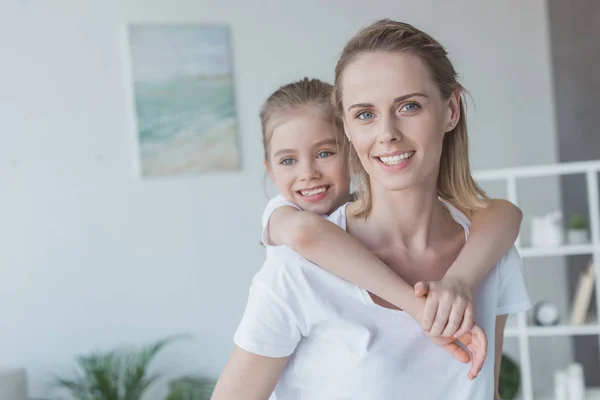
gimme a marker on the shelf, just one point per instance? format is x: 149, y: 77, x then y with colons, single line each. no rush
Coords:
x: 590, y: 394
x: 559, y: 330
x: 566, y: 250
x: 517, y: 326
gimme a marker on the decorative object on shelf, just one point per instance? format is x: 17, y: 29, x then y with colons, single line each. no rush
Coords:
x: 545, y: 313
x: 577, y: 232
x: 191, y: 388
x: 114, y: 375
x: 561, y: 385
x: 569, y: 383
x: 583, y: 296
x: 184, y: 98
x: 576, y: 382
x: 509, y: 382
x: 547, y: 230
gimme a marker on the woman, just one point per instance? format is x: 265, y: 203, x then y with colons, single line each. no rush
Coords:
x: 309, y: 335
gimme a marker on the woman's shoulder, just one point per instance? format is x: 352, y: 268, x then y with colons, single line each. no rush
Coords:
x: 285, y: 270
x: 338, y: 216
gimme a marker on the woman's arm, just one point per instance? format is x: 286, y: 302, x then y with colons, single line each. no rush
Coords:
x: 500, y: 325
x: 248, y: 376
x: 335, y: 250
x: 449, y: 309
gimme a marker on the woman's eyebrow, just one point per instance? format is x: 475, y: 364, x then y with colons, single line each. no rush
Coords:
x: 396, y: 100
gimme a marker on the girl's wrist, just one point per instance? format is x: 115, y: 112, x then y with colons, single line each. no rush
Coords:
x: 459, y: 274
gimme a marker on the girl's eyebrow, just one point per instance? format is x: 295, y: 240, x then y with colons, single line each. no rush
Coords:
x: 325, y: 142
x: 318, y: 144
x: 283, y: 151
x: 396, y: 100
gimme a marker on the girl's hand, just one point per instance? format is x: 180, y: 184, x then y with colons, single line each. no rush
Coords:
x: 449, y: 309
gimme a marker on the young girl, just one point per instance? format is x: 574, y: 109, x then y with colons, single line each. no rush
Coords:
x: 307, y: 162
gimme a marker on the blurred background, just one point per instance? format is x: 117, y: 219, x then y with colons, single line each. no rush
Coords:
x: 99, y: 251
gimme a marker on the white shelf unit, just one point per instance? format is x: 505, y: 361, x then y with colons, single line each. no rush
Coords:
x: 522, y: 331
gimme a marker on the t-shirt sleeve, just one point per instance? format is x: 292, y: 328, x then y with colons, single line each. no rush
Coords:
x: 512, y: 295
x: 274, y: 203
x: 272, y: 322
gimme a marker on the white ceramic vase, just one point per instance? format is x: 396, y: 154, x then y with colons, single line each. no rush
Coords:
x: 577, y: 236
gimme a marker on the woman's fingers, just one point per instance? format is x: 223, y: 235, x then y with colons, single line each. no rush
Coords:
x: 478, y: 350
x: 457, y: 352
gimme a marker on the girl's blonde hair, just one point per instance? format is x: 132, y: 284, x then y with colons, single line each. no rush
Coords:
x: 455, y: 182
x: 312, y: 93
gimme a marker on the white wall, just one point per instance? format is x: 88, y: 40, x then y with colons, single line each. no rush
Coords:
x: 93, y: 257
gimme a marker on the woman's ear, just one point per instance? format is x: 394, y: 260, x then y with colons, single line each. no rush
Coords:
x: 453, y: 115
x: 346, y: 130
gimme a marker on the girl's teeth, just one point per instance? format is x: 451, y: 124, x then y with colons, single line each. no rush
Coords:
x: 393, y: 160
x: 313, y: 191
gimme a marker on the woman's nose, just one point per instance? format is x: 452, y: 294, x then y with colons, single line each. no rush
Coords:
x: 390, y: 131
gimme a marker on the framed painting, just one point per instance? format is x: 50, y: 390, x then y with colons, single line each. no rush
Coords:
x: 184, y: 97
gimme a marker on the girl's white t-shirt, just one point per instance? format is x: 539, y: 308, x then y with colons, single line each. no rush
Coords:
x: 344, y: 346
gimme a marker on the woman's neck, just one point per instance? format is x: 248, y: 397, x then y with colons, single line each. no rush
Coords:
x: 412, y: 218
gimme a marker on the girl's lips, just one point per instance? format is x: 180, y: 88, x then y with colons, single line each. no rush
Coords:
x: 313, y: 198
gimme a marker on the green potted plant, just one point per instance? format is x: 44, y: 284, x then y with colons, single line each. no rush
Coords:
x: 191, y: 388
x: 577, y: 232
x: 509, y: 383
x: 114, y: 375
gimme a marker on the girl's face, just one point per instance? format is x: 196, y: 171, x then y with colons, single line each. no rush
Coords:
x: 305, y: 162
x: 396, y: 118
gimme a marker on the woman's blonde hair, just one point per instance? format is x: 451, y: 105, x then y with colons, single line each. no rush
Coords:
x: 455, y: 182
x: 312, y: 93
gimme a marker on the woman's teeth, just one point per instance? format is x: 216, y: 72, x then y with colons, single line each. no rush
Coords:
x: 312, y: 192
x: 397, y: 159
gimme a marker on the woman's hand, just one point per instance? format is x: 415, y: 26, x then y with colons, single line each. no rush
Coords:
x: 449, y: 309
x: 475, y: 341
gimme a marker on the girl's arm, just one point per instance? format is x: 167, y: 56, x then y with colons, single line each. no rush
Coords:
x: 335, y: 250
x: 248, y: 376
x: 493, y: 232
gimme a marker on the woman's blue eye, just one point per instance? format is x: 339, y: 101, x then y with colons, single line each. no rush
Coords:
x: 325, y: 154
x: 410, y: 107
x: 365, y: 115
x: 287, y: 161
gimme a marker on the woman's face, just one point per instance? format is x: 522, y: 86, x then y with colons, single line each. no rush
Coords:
x: 396, y: 118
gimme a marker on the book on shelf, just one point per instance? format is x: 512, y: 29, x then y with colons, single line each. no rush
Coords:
x: 583, y: 295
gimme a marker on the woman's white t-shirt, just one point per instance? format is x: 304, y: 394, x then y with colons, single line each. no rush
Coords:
x: 344, y: 346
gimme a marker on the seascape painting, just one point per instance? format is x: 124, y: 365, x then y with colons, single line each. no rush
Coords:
x: 184, y: 99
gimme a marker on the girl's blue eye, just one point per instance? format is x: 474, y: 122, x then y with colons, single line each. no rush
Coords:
x: 365, y: 115
x: 325, y: 154
x: 287, y: 161
x: 410, y: 107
